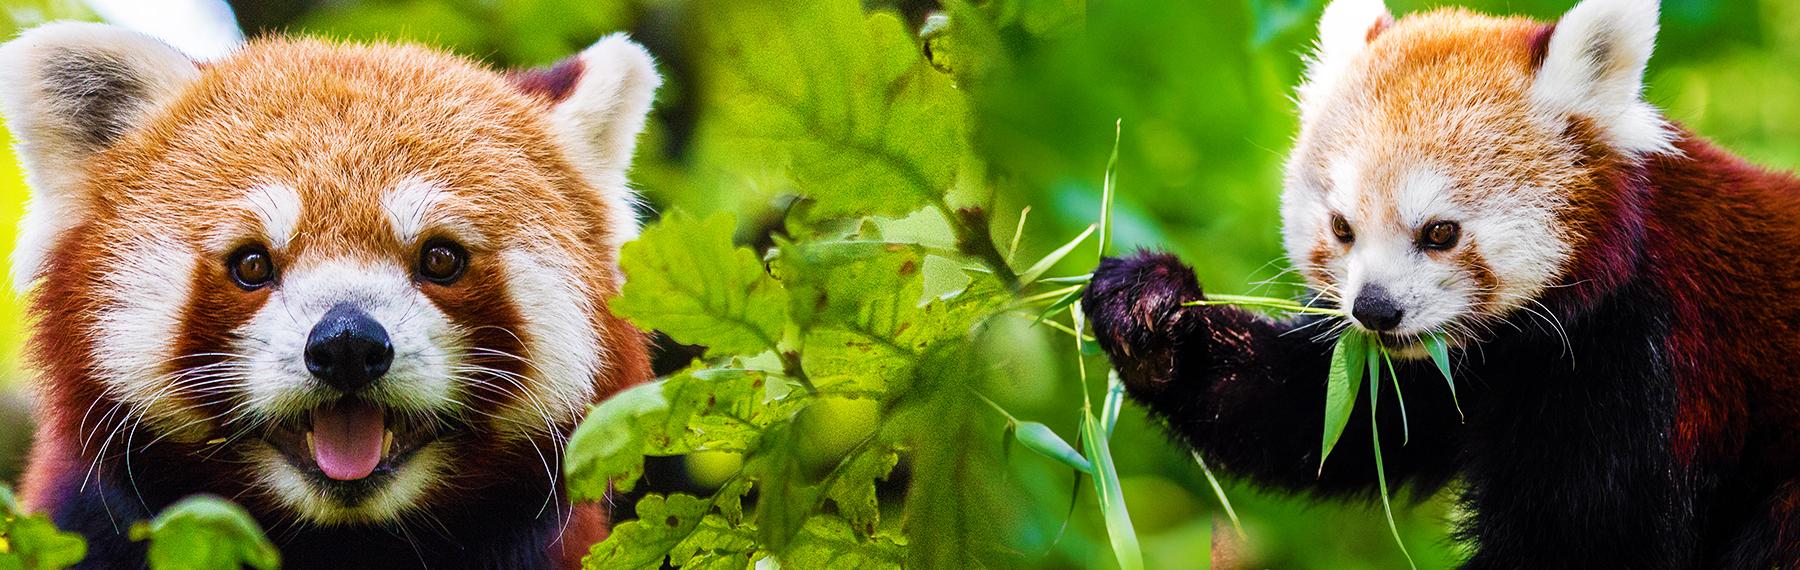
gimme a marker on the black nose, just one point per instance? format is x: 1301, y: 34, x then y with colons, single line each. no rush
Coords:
x: 1376, y: 310
x: 348, y: 349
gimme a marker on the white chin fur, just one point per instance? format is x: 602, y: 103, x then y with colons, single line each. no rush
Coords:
x: 403, y: 492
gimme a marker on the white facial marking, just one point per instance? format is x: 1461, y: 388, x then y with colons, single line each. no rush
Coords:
x: 1423, y: 197
x: 278, y: 208
x: 410, y: 206
x: 1346, y: 186
x: 562, y: 346
x: 147, y: 293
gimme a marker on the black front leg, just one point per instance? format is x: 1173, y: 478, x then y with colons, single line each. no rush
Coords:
x: 1570, y: 461
x: 1249, y: 392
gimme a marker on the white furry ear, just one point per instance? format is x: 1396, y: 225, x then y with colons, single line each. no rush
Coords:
x: 1594, y: 68
x: 601, y: 115
x: 70, y: 90
x: 1344, y: 30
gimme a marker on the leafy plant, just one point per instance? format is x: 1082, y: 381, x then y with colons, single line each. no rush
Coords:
x: 875, y: 294
x: 32, y: 541
x: 201, y: 532
x: 1354, y: 354
x: 204, y: 532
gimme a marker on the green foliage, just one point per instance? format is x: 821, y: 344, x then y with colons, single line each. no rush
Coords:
x: 866, y: 126
x: 835, y: 311
x: 32, y: 542
x: 688, y: 278
x: 1038, y: 87
x: 203, y: 532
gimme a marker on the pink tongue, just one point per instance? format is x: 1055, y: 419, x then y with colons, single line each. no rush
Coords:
x: 347, y: 440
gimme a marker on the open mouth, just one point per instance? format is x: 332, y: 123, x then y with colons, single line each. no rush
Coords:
x: 350, y: 440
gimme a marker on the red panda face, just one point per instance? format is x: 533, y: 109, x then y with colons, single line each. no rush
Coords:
x: 353, y: 278
x: 1442, y: 178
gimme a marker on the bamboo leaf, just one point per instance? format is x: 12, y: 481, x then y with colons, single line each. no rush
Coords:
x: 1387, y: 506
x: 1439, y: 348
x: 1107, y: 188
x: 1341, y: 385
x: 1037, y: 269
x: 1405, y: 426
x: 1219, y: 491
x: 1115, y: 399
x: 1112, y: 499
x: 1041, y: 439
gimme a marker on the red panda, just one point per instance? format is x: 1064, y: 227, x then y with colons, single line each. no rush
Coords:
x: 361, y: 289
x: 1620, y: 295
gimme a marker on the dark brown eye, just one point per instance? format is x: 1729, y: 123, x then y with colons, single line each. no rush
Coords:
x: 1341, y: 228
x: 1440, y: 235
x: 442, y: 262
x: 251, y: 267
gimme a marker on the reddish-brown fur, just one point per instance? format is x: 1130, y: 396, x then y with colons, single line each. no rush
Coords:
x: 340, y: 124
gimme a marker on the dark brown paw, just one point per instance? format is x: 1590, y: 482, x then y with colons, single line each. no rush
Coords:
x: 1135, y: 304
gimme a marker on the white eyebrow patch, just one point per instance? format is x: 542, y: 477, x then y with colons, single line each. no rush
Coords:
x: 409, y: 206
x: 1423, y: 195
x: 278, y: 208
x: 1345, y: 175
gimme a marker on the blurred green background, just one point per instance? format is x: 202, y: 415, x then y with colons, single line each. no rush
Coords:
x: 1202, y: 89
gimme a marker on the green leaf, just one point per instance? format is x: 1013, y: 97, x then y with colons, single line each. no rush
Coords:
x: 1439, y: 349
x: 730, y: 499
x: 867, y: 287
x: 714, y: 409
x: 32, y: 541
x: 1037, y: 269
x: 706, y: 409
x: 1112, y: 498
x: 868, y: 127
x: 830, y: 542
x: 1115, y: 399
x: 839, y: 360
x: 204, y: 532
x: 1108, y: 188
x: 852, y: 487
x: 954, y: 498
x: 685, y: 277
x: 662, y: 523
x: 1393, y: 373
x: 1341, y: 385
x: 716, y: 544
x: 1041, y: 439
x: 608, y: 446
x: 789, y: 489
x: 1387, y: 507
x: 1219, y: 492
